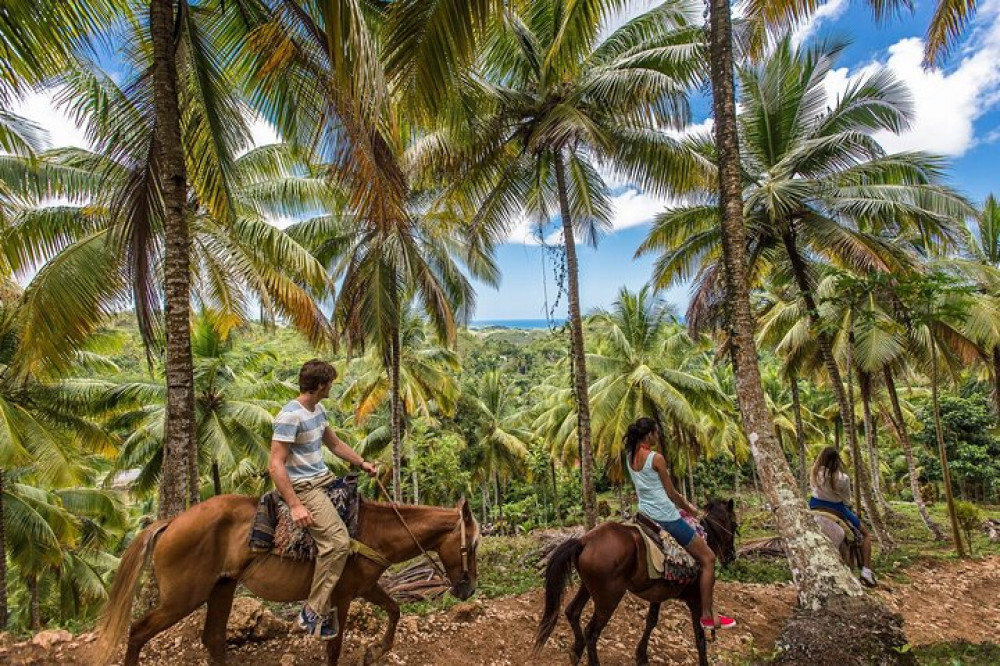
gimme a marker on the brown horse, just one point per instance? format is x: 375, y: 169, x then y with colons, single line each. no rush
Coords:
x: 611, y: 559
x: 202, y: 554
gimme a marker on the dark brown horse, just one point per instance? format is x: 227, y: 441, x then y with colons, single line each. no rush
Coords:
x: 202, y: 554
x: 611, y: 559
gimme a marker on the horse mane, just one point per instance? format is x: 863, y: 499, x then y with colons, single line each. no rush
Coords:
x: 378, y: 515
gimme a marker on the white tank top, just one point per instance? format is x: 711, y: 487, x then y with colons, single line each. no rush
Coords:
x: 653, y: 499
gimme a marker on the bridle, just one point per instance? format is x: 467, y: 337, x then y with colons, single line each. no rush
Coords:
x: 463, y: 548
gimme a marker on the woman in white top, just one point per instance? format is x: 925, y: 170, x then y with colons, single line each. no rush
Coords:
x: 831, y: 489
x: 659, y: 500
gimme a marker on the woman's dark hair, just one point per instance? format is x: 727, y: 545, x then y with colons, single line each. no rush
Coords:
x: 636, y: 433
x: 828, y: 461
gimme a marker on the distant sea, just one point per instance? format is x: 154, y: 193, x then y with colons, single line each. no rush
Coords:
x: 530, y: 324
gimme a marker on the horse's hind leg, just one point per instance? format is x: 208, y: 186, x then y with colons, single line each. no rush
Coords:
x: 573, y: 612
x: 220, y: 603
x: 381, y: 598
x: 167, y: 613
x: 652, y: 617
x: 605, y: 604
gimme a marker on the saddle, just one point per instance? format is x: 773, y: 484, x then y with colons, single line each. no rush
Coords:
x: 274, y: 532
x: 665, y: 558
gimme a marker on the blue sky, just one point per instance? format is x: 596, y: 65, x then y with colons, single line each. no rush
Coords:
x: 957, y: 115
x: 957, y: 111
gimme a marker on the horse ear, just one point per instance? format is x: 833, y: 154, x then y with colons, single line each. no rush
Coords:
x: 463, y: 508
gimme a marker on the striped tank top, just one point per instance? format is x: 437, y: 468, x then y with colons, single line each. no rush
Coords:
x: 303, y: 429
x: 653, y: 500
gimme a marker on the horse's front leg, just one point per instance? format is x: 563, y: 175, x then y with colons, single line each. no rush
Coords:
x: 652, y: 617
x: 693, y: 601
x: 334, y: 645
x: 381, y: 598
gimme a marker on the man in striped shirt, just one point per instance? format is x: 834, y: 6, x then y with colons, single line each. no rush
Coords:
x: 299, y: 474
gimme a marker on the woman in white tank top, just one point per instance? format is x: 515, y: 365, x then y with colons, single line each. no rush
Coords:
x: 659, y: 500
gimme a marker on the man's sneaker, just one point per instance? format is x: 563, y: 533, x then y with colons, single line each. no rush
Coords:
x: 317, y: 626
x: 868, y: 578
x: 723, y: 622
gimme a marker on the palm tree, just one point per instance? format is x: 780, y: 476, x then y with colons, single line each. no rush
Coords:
x: 644, y: 367
x: 946, y: 326
x: 947, y: 24
x: 234, y: 408
x: 554, y: 103
x: 425, y: 384
x: 43, y: 441
x: 500, y: 439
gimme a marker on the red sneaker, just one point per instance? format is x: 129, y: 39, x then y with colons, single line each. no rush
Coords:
x: 722, y: 622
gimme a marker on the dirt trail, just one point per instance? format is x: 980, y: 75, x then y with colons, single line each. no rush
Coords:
x: 940, y: 601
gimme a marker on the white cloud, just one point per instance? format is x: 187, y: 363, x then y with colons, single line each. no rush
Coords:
x: 41, y: 108
x: 946, y: 103
x: 631, y: 208
x: 827, y: 12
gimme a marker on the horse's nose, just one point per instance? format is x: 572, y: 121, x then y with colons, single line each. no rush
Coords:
x: 464, y: 590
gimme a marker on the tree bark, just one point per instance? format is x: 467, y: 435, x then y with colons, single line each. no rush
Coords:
x: 862, y: 477
x: 800, y: 434
x: 179, y: 440
x: 815, y: 565
x: 576, y: 349
x: 871, y: 442
x: 996, y: 380
x: 396, y: 417
x: 34, y: 605
x: 823, y: 340
x: 216, y: 478
x: 3, y: 558
x: 942, y: 453
x: 555, y: 491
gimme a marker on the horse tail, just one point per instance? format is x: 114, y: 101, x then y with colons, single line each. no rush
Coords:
x: 117, y: 614
x: 557, y: 573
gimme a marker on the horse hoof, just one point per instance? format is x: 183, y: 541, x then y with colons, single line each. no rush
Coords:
x: 372, y: 656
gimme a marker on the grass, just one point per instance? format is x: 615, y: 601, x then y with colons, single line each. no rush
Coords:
x: 958, y: 654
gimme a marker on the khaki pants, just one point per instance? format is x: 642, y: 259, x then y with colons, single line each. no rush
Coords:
x: 333, y: 544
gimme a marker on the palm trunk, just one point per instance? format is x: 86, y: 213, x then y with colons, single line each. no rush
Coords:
x: 822, y: 338
x: 996, y: 380
x: 871, y: 442
x: 942, y: 453
x: 498, y: 503
x: 484, y: 491
x: 694, y: 491
x: 396, y: 418
x: 904, y: 438
x: 3, y: 558
x: 180, y: 420
x: 416, y: 485
x: 577, y: 350
x: 555, y: 491
x: 817, y: 570
x: 862, y: 477
x: 34, y: 604
x: 216, y: 478
x: 800, y: 435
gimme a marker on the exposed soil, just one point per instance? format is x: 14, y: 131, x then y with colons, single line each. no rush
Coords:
x: 940, y: 602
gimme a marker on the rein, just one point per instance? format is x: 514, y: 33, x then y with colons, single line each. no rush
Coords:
x: 464, y: 549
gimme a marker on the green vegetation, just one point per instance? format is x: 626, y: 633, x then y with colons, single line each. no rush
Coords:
x: 153, y: 317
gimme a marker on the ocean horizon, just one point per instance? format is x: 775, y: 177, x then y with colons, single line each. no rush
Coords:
x: 526, y: 324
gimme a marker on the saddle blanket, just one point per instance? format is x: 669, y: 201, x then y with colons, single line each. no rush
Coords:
x: 665, y: 558
x: 274, y: 532
x: 851, y: 534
